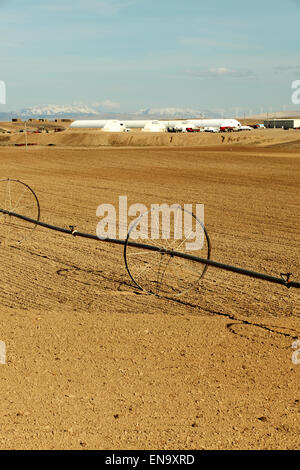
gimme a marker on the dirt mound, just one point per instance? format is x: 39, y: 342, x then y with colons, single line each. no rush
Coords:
x: 98, y: 138
x: 143, y: 139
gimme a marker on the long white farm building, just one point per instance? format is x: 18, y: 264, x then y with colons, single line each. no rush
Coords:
x: 282, y: 123
x: 154, y: 126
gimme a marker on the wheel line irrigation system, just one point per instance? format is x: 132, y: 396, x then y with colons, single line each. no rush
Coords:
x: 284, y: 279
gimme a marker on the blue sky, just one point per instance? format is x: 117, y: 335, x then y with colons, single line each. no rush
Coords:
x: 126, y: 55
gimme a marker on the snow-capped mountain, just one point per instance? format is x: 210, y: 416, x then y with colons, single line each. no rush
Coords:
x: 169, y: 113
x: 79, y: 110
x: 57, y: 110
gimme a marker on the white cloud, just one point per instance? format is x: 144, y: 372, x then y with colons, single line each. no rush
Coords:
x: 107, y: 105
x: 222, y: 72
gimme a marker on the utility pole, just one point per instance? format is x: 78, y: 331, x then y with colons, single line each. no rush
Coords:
x: 26, y: 136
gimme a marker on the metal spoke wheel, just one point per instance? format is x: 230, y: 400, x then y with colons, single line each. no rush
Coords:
x: 156, y: 268
x: 18, y: 197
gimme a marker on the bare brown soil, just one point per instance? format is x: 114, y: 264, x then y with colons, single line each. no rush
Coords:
x: 94, y: 364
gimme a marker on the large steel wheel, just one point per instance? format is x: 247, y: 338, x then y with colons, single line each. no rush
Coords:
x: 16, y: 197
x: 155, y: 268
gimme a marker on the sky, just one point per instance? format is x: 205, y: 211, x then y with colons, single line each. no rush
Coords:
x: 125, y: 55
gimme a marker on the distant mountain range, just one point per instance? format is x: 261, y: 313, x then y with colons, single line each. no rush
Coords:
x: 88, y: 112
x: 164, y: 113
x: 57, y: 110
x: 276, y: 115
x: 81, y: 111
